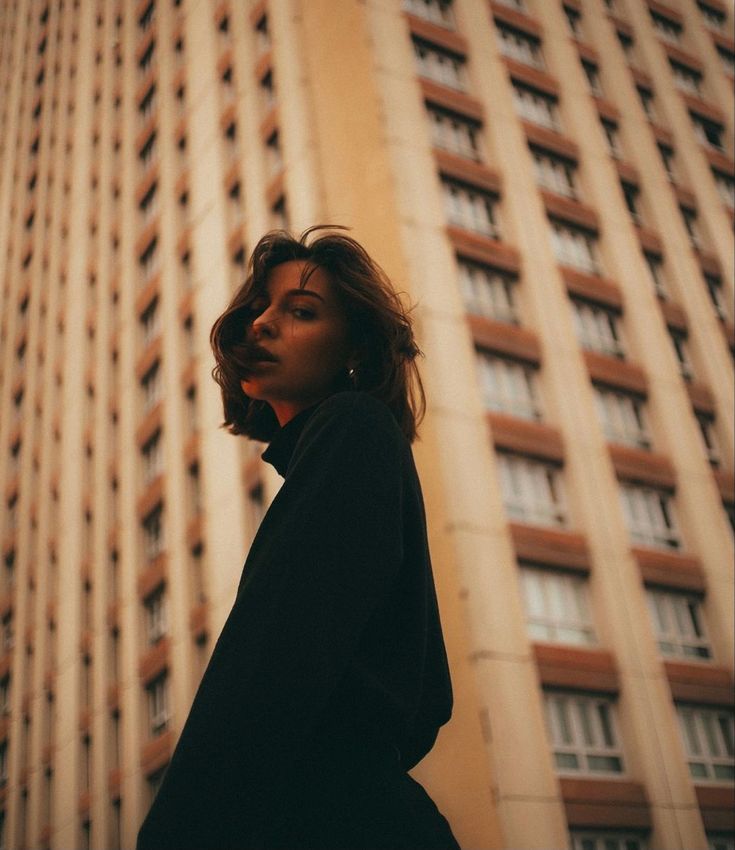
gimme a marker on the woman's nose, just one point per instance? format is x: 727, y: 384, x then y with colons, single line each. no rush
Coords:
x: 264, y: 326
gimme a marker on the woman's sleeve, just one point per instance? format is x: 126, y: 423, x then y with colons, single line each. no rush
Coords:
x: 332, y: 549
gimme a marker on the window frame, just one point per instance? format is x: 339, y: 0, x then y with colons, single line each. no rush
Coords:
x: 455, y: 133
x: 583, y: 732
x: 159, y: 710
x: 439, y: 65
x: 533, y: 490
x: 699, y: 732
x: 598, y: 328
x: 650, y: 516
x: 470, y: 208
x: 488, y: 292
x: 676, y: 617
x: 574, y: 246
x: 508, y: 385
x: 557, y: 607
x: 622, y: 416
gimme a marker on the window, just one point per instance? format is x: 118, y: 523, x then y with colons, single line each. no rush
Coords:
x: 679, y: 341
x: 158, y: 712
x: 146, y: 153
x: 152, y: 458
x: 147, y: 103
x: 195, y: 488
x: 628, y: 45
x: 223, y: 26
x: 714, y: 288
x: 155, y: 615
x: 646, y: 99
x: 727, y: 59
x: 151, y: 383
x: 279, y: 214
x: 439, y: 65
x: 273, y: 153
x: 148, y: 204
x: 656, y: 268
x: 610, y: 128
x: 508, y: 386
x: 715, y: 19
x: 686, y: 78
x: 667, y: 157
x: 591, y: 71
x: 678, y: 623
x: 554, y: 172
x: 574, y: 21
x: 666, y: 28
x: 454, y: 133
x: 708, y: 741
x: 5, y: 695
x: 256, y: 499
x: 706, y: 427
x: 690, y: 219
x: 622, y: 417
x: 649, y: 515
x: 146, y: 60
x: 191, y: 409
x: 519, y: 45
x: 153, y: 532
x: 582, y: 732
x: 263, y: 35
x: 470, y: 208
x: 725, y: 187
x: 556, y: 606
x: 268, y: 89
x: 720, y: 841
x: 574, y: 246
x: 708, y: 132
x: 147, y: 16
x: 532, y: 490
x: 535, y: 106
x: 488, y: 292
x: 631, y: 194
x: 597, y: 840
x: 148, y: 259
x: 436, y: 11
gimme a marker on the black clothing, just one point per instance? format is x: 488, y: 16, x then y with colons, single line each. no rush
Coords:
x: 330, y: 678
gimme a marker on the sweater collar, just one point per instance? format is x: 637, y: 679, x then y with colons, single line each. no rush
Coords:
x: 283, y: 442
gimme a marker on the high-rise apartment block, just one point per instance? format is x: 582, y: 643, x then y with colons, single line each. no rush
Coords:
x: 552, y: 183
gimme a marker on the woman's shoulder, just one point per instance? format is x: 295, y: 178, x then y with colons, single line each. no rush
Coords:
x: 353, y: 415
x: 359, y: 409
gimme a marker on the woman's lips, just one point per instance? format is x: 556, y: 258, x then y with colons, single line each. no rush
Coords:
x: 260, y: 355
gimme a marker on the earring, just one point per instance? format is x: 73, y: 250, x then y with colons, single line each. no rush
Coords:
x: 352, y: 375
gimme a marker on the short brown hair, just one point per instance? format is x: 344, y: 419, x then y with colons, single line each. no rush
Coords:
x: 379, y: 326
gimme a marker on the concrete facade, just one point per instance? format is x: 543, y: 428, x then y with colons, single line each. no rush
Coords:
x: 552, y: 185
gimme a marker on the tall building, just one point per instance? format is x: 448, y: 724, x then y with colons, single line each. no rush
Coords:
x: 552, y: 183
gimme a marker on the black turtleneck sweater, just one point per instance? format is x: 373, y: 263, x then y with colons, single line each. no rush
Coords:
x: 335, y: 626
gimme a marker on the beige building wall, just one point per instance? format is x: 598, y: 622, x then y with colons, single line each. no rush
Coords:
x: 144, y: 148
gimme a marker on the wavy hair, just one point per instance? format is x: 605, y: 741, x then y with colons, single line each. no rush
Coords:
x: 380, y: 330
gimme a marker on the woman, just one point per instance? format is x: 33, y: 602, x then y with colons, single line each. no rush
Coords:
x: 330, y: 678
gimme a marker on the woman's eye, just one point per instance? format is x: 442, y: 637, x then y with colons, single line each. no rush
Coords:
x: 302, y: 313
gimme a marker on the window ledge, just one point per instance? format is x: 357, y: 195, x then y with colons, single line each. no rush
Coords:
x: 716, y: 804
x: 156, y: 753
x: 659, y: 568
x: 701, y: 682
x: 551, y: 547
x: 582, y: 668
x: 605, y: 802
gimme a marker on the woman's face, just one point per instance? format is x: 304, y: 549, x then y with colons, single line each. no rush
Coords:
x: 300, y: 341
